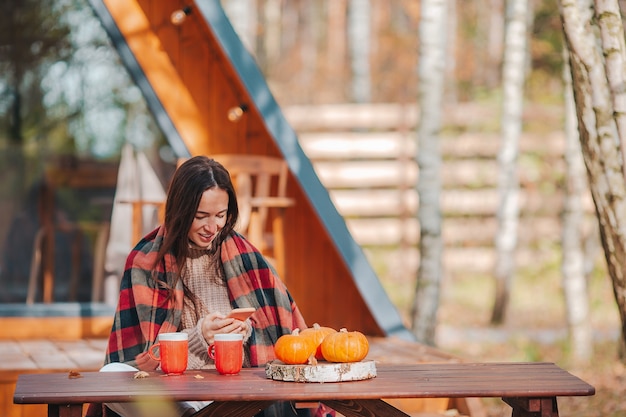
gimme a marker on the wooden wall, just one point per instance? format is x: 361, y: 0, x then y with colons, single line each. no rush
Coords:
x: 367, y: 153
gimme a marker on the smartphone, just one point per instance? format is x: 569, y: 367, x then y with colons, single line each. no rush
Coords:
x: 241, y: 313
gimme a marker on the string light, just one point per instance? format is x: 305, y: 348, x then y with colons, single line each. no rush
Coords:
x: 235, y: 113
x: 178, y: 16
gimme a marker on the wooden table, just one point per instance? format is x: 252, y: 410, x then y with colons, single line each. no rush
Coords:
x: 531, y: 389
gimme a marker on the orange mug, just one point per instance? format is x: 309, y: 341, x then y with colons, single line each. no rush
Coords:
x: 173, y: 352
x: 227, y: 352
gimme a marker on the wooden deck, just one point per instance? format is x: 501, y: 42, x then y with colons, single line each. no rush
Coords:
x: 39, y: 356
x: 45, y: 355
x: 32, y: 355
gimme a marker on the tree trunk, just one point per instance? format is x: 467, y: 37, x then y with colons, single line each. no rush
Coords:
x: 451, y: 47
x: 308, y: 22
x: 514, y: 72
x: 431, y: 69
x: 601, y: 148
x: 494, y: 42
x: 359, y: 43
x: 243, y: 15
x: 608, y: 16
x: 614, y: 51
x: 272, y: 31
x: 335, y: 65
x: 573, y: 262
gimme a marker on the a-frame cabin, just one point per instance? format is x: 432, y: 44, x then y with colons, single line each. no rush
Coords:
x: 191, y: 74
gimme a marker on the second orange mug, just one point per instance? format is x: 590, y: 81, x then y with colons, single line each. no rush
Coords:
x: 173, y: 352
x: 227, y: 352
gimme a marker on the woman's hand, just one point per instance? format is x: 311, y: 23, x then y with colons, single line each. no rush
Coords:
x: 214, y: 323
x: 145, y: 362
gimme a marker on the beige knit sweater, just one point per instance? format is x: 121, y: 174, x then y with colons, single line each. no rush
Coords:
x: 204, y: 277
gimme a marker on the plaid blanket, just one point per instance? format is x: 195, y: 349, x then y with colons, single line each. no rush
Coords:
x: 144, y: 309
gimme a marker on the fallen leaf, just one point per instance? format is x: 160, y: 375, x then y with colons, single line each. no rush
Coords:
x: 74, y: 374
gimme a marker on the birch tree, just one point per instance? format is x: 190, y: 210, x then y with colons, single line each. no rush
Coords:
x: 508, y: 184
x: 359, y: 44
x: 243, y: 14
x: 272, y: 31
x: 596, y: 97
x: 431, y: 70
x: 614, y: 51
x: 573, y: 261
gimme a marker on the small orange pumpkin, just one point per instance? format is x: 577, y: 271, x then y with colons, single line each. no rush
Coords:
x: 294, y: 349
x: 345, y: 346
x: 318, y: 333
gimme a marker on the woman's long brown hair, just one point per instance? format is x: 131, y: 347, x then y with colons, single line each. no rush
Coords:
x: 190, y: 181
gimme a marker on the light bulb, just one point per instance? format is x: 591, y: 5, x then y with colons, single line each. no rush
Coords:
x: 178, y: 16
x: 235, y: 113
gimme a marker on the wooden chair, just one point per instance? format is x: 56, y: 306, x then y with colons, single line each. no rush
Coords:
x: 137, y: 231
x: 261, y: 185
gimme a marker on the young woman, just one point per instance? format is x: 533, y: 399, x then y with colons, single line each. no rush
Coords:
x: 186, y: 275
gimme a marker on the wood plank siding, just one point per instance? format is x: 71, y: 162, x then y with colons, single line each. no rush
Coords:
x: 367, y: 152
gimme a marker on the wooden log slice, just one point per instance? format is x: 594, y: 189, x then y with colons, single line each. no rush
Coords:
x: 322, y: 372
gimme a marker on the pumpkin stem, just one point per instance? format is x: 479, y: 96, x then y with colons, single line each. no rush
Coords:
x: 343, y: 330
x: 295, y: 332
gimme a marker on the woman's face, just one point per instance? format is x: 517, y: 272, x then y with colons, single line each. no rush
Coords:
x: 210, y: 217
